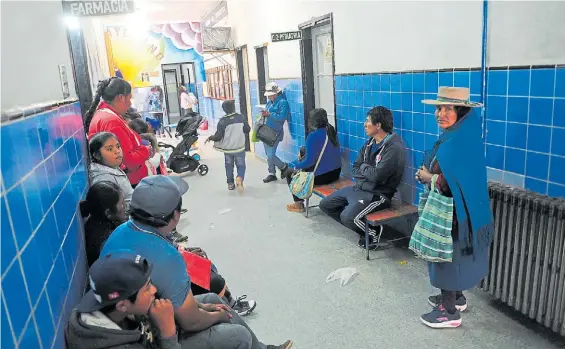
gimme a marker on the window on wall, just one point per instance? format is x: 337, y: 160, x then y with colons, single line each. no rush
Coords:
x: 219, y: 82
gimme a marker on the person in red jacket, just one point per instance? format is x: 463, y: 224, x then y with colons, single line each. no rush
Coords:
x: 112, y: 100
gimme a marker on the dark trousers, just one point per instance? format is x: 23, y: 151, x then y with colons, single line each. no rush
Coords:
x: 324, y: 178
x: 349, y: 206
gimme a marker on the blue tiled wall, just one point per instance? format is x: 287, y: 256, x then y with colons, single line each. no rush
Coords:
x: 524, y: 120
x: 43, y: 264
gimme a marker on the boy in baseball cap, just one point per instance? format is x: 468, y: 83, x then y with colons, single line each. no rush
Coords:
x: 113, y: 314
x: 155, y: 213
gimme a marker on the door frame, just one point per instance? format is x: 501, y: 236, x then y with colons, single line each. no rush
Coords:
x: 243, y: 88
x: 307, y: 64
x: 165, y: 92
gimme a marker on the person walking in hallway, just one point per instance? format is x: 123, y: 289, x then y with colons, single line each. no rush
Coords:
x: 276, y: 113
x: 377, y: 172
x: 457, y: 161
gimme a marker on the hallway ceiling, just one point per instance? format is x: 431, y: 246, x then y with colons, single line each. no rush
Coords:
x: 174, y: 11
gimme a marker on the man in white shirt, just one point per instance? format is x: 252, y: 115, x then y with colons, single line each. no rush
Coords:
x: 187, y: 101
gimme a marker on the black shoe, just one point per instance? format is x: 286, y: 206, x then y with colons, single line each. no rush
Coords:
x: 242, y: 306
x: 270, y: 178
x: 284, y: 172
x: 178, y: 237
x: 372, y: 242
x: 460, y: 302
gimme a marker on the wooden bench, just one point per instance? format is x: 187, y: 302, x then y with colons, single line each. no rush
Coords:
x: 398, y: 210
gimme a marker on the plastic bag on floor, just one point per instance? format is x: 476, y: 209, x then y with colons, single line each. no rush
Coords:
x: 346, y: 275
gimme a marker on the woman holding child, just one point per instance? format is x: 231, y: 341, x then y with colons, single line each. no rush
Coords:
x: 112, y: 100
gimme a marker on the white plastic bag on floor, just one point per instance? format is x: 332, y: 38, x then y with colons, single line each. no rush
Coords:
x: 346, y: 275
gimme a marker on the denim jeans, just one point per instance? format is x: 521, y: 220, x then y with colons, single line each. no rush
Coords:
x: 239, y: 160
x: 272, y: 158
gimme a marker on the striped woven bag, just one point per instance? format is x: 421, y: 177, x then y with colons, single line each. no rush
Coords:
x: 431, y: 239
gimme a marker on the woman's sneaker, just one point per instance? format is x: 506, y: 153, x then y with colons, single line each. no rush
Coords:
x: 296, y: 207
x: 243, y: 307
x: 441, y: 318
x: 460, y: 302
x: 286, y: 345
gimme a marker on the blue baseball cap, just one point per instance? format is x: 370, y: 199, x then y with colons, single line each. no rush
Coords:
x: 158, y: 195
x: 115, y: 277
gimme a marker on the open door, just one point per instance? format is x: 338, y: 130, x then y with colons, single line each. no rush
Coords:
x: 170, y: 78
x: 323, y: 71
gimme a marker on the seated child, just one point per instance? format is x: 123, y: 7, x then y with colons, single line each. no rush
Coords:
x: 156, y: 164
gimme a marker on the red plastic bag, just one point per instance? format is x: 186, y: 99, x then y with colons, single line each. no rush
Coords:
x: 204, y: 126
x: 198, y: 268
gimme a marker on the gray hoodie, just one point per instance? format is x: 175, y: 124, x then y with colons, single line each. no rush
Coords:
x: 96, y: 331
x: 99, y: 173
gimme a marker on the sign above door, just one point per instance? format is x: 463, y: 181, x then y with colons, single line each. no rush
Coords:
x: 92, y: 8
x: 286, y: 36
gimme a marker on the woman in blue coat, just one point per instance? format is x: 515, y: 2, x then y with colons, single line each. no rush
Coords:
x: 458, y: 161
x: 276, y: 113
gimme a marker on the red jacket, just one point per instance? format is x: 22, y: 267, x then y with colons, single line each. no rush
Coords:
x: 135, y: 153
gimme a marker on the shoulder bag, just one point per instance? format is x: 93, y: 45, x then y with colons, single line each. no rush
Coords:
x: 302, y: 182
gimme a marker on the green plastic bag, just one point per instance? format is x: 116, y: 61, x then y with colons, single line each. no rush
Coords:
x: 256, y: 125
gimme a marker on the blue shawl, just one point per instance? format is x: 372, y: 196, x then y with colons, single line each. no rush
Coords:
x: 460, y: 154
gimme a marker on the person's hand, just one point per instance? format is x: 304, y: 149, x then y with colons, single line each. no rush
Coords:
x: 223, y: 316
x: 162, y: 314
x: 265, y: 113
x: 423, y: 175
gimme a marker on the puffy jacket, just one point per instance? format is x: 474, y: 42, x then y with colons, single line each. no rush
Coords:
x: 379, y: 168
x: 280, y: 111
x: 99, y: 173
x: 135, y: 153
x: 96, y: 331
x: 230, y: 134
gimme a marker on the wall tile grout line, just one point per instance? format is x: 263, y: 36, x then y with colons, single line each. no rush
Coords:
x: 28, y: 241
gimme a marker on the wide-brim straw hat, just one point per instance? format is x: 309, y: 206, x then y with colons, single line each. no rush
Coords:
x: 271, y: 89
x: 458, y: 96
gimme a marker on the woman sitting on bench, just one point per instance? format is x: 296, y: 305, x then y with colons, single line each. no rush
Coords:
x: 329, y: 168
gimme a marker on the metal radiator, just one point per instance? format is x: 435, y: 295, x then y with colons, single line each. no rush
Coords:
x: 527, y: 257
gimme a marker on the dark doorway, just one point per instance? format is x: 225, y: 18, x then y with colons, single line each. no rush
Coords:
x: 242, y: 90
x: 261, y: 53
x: 79, y: 62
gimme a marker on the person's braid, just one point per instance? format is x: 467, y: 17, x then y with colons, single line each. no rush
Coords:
x: 99, y: 92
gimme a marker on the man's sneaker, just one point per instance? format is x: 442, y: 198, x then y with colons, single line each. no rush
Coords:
x: 286, y: 345
x: 239, y: 184
x: 243, y: 307
x: 178, y: 237
x: 460, y: 302
x: 270, y: 178
x: 231, y: 186
x: 372, y: 242
x: 441, y: 318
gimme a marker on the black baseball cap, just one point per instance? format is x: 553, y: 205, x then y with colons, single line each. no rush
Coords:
x: 115, y: 277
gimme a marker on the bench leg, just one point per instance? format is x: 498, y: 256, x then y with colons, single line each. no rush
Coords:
x: 367, y: 240
x: 307, y: 203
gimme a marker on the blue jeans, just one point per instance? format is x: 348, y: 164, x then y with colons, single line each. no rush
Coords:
x: 272, y: 158
x: 239, y: 160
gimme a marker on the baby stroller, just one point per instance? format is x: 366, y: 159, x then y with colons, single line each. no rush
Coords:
x: 180, y: 160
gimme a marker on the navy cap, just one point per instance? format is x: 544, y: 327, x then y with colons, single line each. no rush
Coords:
x: 113, y: 278
x: 158, y: 195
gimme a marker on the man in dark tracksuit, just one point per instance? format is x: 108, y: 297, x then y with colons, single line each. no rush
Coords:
x: 377, y: 173
x: 229, y: 138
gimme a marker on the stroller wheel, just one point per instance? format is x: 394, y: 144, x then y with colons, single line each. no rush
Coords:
x: 202, y: 170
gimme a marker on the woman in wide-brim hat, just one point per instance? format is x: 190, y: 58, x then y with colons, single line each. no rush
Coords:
x: 458, y: 161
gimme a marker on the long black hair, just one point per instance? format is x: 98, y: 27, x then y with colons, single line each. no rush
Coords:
x: 318, y: 118
x: 95, y: 145
x: 101, y: 201
x: 107, y: 90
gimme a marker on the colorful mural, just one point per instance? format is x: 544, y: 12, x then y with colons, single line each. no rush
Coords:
x: 137, y: 56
